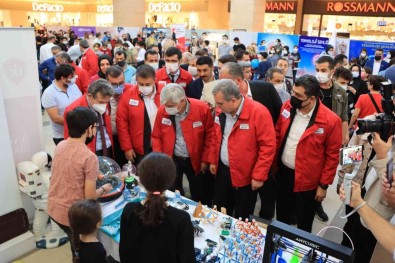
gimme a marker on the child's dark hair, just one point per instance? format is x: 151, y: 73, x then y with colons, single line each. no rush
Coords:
x: 84, y: 216
x: 80, y: 119
x: 157, y: 173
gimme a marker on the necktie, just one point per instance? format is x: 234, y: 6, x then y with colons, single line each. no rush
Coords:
x: 172, y: 78
x: 103, y: 138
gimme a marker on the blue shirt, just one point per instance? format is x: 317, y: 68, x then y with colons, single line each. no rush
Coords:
x: 55, y: 97
x: 49, y: 65
x: 263, y: 67
x: 129, y: 73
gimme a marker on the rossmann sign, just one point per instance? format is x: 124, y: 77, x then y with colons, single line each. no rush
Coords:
x: 362, y: 8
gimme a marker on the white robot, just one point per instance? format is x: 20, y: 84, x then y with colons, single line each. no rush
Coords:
x: 34, y: 177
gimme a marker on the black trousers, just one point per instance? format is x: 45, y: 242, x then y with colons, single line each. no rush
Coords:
x: 109, y: 153
x: 57, y: 140
x: 363, y: 239
x: 69, y: 234
x: 240, y: 200
x: 268, y: 198
x: 184, y: 166
x: 119, y: 155
x: 288, y: 200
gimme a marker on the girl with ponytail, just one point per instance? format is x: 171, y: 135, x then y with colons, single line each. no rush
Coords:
x: 85, y: 219
x: 152, y: 231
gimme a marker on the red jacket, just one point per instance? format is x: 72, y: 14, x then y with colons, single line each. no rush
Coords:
x: 317, y: 153
x: 251, y: 144
x: 197, y: 128
x: 183, y: 79
x: 83, y: 78
x: 83, y: 102
x: 89, y: 62
x: 130, y: 120
x: 93, y: 78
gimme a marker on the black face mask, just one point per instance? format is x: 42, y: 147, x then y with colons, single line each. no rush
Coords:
x: 88, y: 140
x: 297, y: 103
x: 125, y: 39
x: 121, y: 63
x: 377, y: 58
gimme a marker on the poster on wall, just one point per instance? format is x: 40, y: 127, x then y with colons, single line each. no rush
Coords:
x: 342, y: 46
x: 80, y: 30
x: 103, y: 29
x: 133, y: 31
x: 357, y: 45
x: 179, y: 30
x: 310, y: 48
x: 270, y: 39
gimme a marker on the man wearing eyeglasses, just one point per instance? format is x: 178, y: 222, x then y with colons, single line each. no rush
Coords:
x: 116, y: 77
x: 60, y: 94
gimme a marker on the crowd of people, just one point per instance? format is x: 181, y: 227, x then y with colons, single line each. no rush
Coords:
x: 235, y: 131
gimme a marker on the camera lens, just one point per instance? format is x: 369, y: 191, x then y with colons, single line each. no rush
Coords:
x: 369, y: 126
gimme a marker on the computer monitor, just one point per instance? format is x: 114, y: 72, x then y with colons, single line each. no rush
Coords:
x: 284, y: 243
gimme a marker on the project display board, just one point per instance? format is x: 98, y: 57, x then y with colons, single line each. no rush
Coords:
x: 310, y: 48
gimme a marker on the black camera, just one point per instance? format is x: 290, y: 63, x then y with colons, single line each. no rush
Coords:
x: 384, y: 123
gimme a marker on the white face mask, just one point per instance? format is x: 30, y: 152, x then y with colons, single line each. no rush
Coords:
x: 295, y: 50
x: 100, y: 108
x: 73, y: 80
x: 389, y: 55
x: 65, y: 42
x: 155, y: 65
x: 145, y: 90
x: 193, y: 70
x: 171, y: 111
x: 363, y: 55
x: 342, y: 86
x: 322, y: 77
x: 355, y: 74
x: 173, y: 67
x: 279, y: 86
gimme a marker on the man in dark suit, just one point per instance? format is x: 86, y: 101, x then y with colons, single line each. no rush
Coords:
x: 264, y: 93
x: 377, y: 64
x: 205, y: 70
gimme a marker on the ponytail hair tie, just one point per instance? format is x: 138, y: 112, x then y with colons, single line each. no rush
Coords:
x: 156, y: 193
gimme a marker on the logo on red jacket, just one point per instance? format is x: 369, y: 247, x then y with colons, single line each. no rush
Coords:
x: 14, y: 69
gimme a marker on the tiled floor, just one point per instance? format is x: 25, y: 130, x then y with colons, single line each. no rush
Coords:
x: 63, y: 254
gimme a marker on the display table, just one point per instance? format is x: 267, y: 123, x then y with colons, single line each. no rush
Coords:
x: 112, y: 211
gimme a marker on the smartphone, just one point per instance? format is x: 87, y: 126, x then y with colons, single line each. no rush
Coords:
x: 351, y: 154
x: 390, y: 167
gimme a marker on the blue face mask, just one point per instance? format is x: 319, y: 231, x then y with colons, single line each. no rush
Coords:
x: 118, y: 89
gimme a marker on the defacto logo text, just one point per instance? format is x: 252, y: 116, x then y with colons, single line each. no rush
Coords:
x: 280, y: 6
x: 164, y: 7
x: 361, y: 7
x: 104, y: 8
x: 47, y: 7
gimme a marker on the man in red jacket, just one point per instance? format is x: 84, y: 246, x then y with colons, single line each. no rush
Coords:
x: 183, y: 130
x: 82, y: 75
x: 242, y: 150
x: 172, y: 73
x: 89, y: 60
x: 309, y: 136
x: 136, y: 115
x: 97, y: 98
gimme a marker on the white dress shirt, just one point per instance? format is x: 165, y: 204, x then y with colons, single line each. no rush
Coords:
x: 151, y: 107
x: 298, y: 127
x: 376, y: 67
x: 45, y: 52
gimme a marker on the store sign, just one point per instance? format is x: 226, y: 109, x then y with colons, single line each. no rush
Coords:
x: 358, y: 8
x: 162, y: 7
x: 104, y: 8
x: 281, y: 7
x: 44, y: 7
x: 352, y: 7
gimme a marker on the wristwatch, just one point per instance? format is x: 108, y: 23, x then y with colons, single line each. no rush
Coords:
x: 323, y: 186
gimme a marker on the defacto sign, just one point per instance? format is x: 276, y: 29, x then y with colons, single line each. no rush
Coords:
x: 161, y: 7
x: 280, y: 6
x: 44, y: 7
x: 104, y: 8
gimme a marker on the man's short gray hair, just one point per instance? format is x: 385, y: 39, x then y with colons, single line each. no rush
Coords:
x: 101, y: 86
x: 84, y: 43
x: 172, y: 93
x: 234, y: 69
x: 244, y: 64
x: 64, y: 56
x: 55, y: 48
x: 228, y: 87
